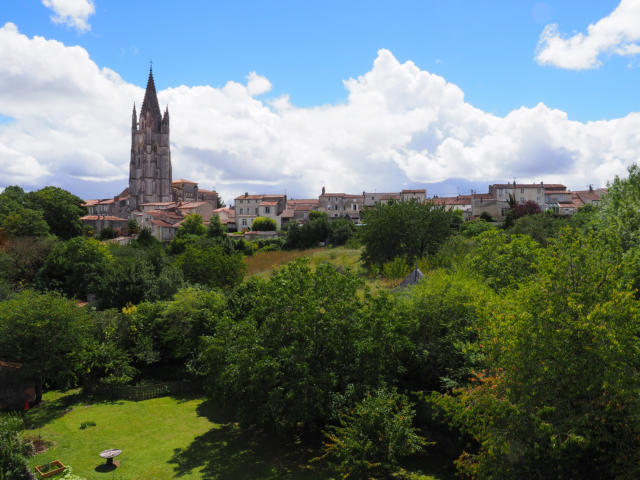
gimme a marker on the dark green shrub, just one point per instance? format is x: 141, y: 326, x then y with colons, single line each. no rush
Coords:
x: 373, y: 436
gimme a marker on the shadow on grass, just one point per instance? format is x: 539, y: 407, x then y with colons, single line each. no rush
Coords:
x: 230, y: 452
x: 105, y: 468
x: 49, y: 410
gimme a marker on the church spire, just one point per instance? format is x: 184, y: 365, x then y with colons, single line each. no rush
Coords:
x: 134, y: 118
x: 150, y: 102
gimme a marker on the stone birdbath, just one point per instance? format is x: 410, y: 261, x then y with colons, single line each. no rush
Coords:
x: 110, y: 454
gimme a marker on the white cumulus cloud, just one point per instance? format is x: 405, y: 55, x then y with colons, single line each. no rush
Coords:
x: 399, y: 126
x: 73, y: 13
x: 617, y: 33
x: 257, y: 84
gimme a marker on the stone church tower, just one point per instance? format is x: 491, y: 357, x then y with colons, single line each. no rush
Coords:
x: 150, y: 167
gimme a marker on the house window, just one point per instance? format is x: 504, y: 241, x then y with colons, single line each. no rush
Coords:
x: 256, y: 211
x: 241, y: 211
x: 521, y: 199
x: 267, y: 209
x: 522, y: 190
x: 244, y: 222
x: 355, y: 206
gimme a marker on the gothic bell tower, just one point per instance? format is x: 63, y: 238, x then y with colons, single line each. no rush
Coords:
x: 150, y: 166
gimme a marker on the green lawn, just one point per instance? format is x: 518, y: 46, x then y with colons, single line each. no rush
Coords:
x: 161, y: 438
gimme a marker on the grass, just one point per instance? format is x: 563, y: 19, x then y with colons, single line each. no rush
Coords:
x: 263, y: 263
x: 161, y: 438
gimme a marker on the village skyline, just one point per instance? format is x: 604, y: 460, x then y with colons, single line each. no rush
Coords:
x: 534, y: 92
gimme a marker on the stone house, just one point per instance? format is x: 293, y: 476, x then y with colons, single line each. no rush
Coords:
x: 338, y: 205
x: 459, y: 202
x: 298, y: 210
x: 204, y: 209
x: 248, y: 207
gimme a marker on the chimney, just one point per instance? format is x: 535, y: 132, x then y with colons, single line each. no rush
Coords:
x: 323, y: 190
x: 246, y: 194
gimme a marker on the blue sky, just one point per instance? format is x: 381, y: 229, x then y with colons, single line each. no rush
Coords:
x: 306, y: 50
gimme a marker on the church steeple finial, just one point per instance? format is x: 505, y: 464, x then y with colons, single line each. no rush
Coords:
x: 150, y: 102
x: 134, y: 117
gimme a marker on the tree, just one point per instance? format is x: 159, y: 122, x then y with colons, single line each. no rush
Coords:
x: 539, y: 226
x: 263, y: 224
x: 47, y: 333
x: 132, y: 226
x: 211, y: 266
x: 191, y: 225
x: 291, y: 345
x: 108, y: 233
x: 475, y: 227
x: 23, y: 257
x: 373, y: 436
x: 443, y: 313
x: 504, y: 260
x: 340, y: 231
x: 135, y: 275
x: 559, y: 397
x: 215, y: 229
x: 74, y: 265
x: 309, y: 234
x: 25, y: 222
x: 61, y: 210
x: 409, y: 229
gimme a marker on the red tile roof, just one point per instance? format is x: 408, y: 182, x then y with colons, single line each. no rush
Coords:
x: 161, y: 223
x: 190, y: 205
x: 158, y: 204
x: 104, y: 217
x: 182, y: 180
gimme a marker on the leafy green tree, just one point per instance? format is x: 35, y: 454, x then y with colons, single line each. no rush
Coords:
x: 475, y: 227
x: 292, y: 344
x: 192, y: 313
x: 135, y: 275
x: 12, y: 198
x: 409, y: 229
x: 47, y: 333
x: 309, y: 234
x: 340, y: 231
x: 263, y: 224
x: 74, y: 265
x: 373, y: 437
x: 132, y: 226
x: 444, y: 312
x: 23, y: 257
x: 211, y: 266
x: 191, y: 225
x: 539, y: 226
x: 559, y: 398
x: 505, y: 261
x: 108, y: 233
x: 25, y: 222
x: 61, y: 210
x: 316, y: 214
x: 215, y: 229
x: 13, y: 449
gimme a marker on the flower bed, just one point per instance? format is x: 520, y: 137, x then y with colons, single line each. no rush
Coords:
x: 51, y: 469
